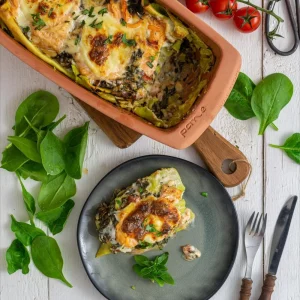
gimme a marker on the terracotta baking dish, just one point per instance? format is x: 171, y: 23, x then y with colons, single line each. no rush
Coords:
x: 207, y: 106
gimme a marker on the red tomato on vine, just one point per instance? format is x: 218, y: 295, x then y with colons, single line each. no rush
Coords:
x: 197, y: 6
x: 223, y: 9
x: 247, y: 19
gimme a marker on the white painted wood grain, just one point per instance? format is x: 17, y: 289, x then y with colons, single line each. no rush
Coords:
x: 281, y: 176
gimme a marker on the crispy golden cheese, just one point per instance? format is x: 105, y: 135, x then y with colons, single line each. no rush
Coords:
x: 134, y: 54
x: 143, y: 216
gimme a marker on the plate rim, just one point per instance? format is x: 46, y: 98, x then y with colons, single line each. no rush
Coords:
x: 236, y: 219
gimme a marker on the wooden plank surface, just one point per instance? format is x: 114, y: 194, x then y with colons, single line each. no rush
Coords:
x: 274, y: 176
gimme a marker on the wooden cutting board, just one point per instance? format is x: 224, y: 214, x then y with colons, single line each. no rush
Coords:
x: 215, y: 150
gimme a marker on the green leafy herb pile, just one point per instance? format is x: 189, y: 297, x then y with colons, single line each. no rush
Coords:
x: 265, y: 102
x: 155, y: 269
x: 36, y: 152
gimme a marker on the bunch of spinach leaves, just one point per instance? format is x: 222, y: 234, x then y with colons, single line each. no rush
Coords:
x: 265, y: 101
x: 36, y: 152
x: 155, y: 269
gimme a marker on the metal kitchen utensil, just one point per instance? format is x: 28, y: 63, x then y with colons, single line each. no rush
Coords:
x: 254, y: 234
x: 295, y: 26
x: 279, y: 238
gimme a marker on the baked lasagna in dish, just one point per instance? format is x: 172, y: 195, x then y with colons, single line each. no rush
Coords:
x: 133, y: 53
x: 143, y: 216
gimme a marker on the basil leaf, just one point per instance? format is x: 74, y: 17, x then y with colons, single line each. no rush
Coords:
x: 55, y: 191
x: 12, y: 159
x: 162, y: 259
x: 17, y: 258
x: 27, y: 147
x: 291, y: 147
x: 167, y: 278
x: 238, y: 103
x: 33, y: 170
x: 41, y: 108
x: 138, y: 269
x: 52, y: 153
x: 270, y: 96
x: 47, y: 258
x: 28, y: 201
x: 56, y: 218
x: 159, y: 281
x: 75, y: 142
x: 141, y: 259
x: 24, y: 232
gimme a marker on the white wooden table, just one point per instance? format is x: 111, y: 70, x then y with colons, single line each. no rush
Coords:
x: 275, y: 177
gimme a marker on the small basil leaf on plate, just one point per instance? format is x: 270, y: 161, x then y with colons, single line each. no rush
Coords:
x: 40, y: 108
x: 17, y: 258
x: 75, y: 142
x: 27, y: 147
x: 270, y: 96
x: 162, y: 259
x: 47, y: 258
x: 52, y: 153
x: 141, y: 259
x: 291, y: 147
x: 55, y: 191
x: 33, y: 170
x: 159, y: 281
x: 13, y: 159
x: 167, y: 278
x: 238, y: 103
x: 137, y: 269
x: 24, y: 232
x: 28, y: 201
x: 55, y: 219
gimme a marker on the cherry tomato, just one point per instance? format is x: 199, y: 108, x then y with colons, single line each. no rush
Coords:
x: 247, y: 19
x: 223, y: 9
x: 197, y: 6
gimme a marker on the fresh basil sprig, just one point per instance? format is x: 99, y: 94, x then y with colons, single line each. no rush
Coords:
x: 155, y: 269
x: 291, y: 147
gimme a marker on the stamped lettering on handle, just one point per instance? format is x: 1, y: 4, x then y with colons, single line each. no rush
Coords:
x: 192, y: 122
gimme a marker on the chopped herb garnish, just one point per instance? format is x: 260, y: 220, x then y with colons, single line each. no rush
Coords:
x: 96, y: 25
x: 38, y: 23
x: 108, y: 40
x: 75, y: 18
x: 89, y: 12
x: 77, y: 40
x: 204, y: 194
x: 67, y: 21
x: 50, y: 12
x: 133, y: 287
x: 130, y: 43
x: 144, y: 245
x: 73, y: 13
x: 123, y: 22
x: 141, y: 189
x: 60, y: 5
x: 151, y: 228
x: 119, y: 202
x: 152, y: 58
x: 102, y: 11
x: 82, y: 24
x: 25, y: 29
x: 149, y: 64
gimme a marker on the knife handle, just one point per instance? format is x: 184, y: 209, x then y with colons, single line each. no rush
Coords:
x: 268, y: 287
x: 246, y: 288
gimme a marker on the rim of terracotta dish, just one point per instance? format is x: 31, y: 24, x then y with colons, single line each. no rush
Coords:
x: 205, y: 109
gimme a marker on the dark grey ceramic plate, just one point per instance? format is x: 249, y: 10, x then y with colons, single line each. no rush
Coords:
x: 215, y: 233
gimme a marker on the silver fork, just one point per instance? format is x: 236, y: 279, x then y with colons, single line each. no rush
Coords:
x: 254, y: 234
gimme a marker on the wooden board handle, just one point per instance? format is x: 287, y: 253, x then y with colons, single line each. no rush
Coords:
x: 246, y: 288
x: 268, y: 287
x: 215, y: 150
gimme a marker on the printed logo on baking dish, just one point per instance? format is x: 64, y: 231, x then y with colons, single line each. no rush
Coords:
x: 192, y: 122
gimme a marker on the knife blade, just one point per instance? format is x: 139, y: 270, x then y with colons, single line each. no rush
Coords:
x: 278, y: 242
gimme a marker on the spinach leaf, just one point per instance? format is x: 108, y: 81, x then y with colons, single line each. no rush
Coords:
x: 47, y: 258
x: 52, y: 153
x: 76, y: 141
x: 238, y: 103
x: 33, y: 170
x: 12, y: 159
x: 53, y: 125
x: 17, y: 258
x: 41, y: 108
x: 24, y: 232
x: 270, y: 96
x: 55, y: 191
x: 27, y: 147
x: 56, y: 218
x: 291, y: 147
x: 28, y: 201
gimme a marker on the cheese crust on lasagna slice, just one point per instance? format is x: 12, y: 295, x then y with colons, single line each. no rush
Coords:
x: 143, y: 216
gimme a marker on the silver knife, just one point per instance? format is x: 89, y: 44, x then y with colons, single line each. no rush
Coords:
x: 279, y: 238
